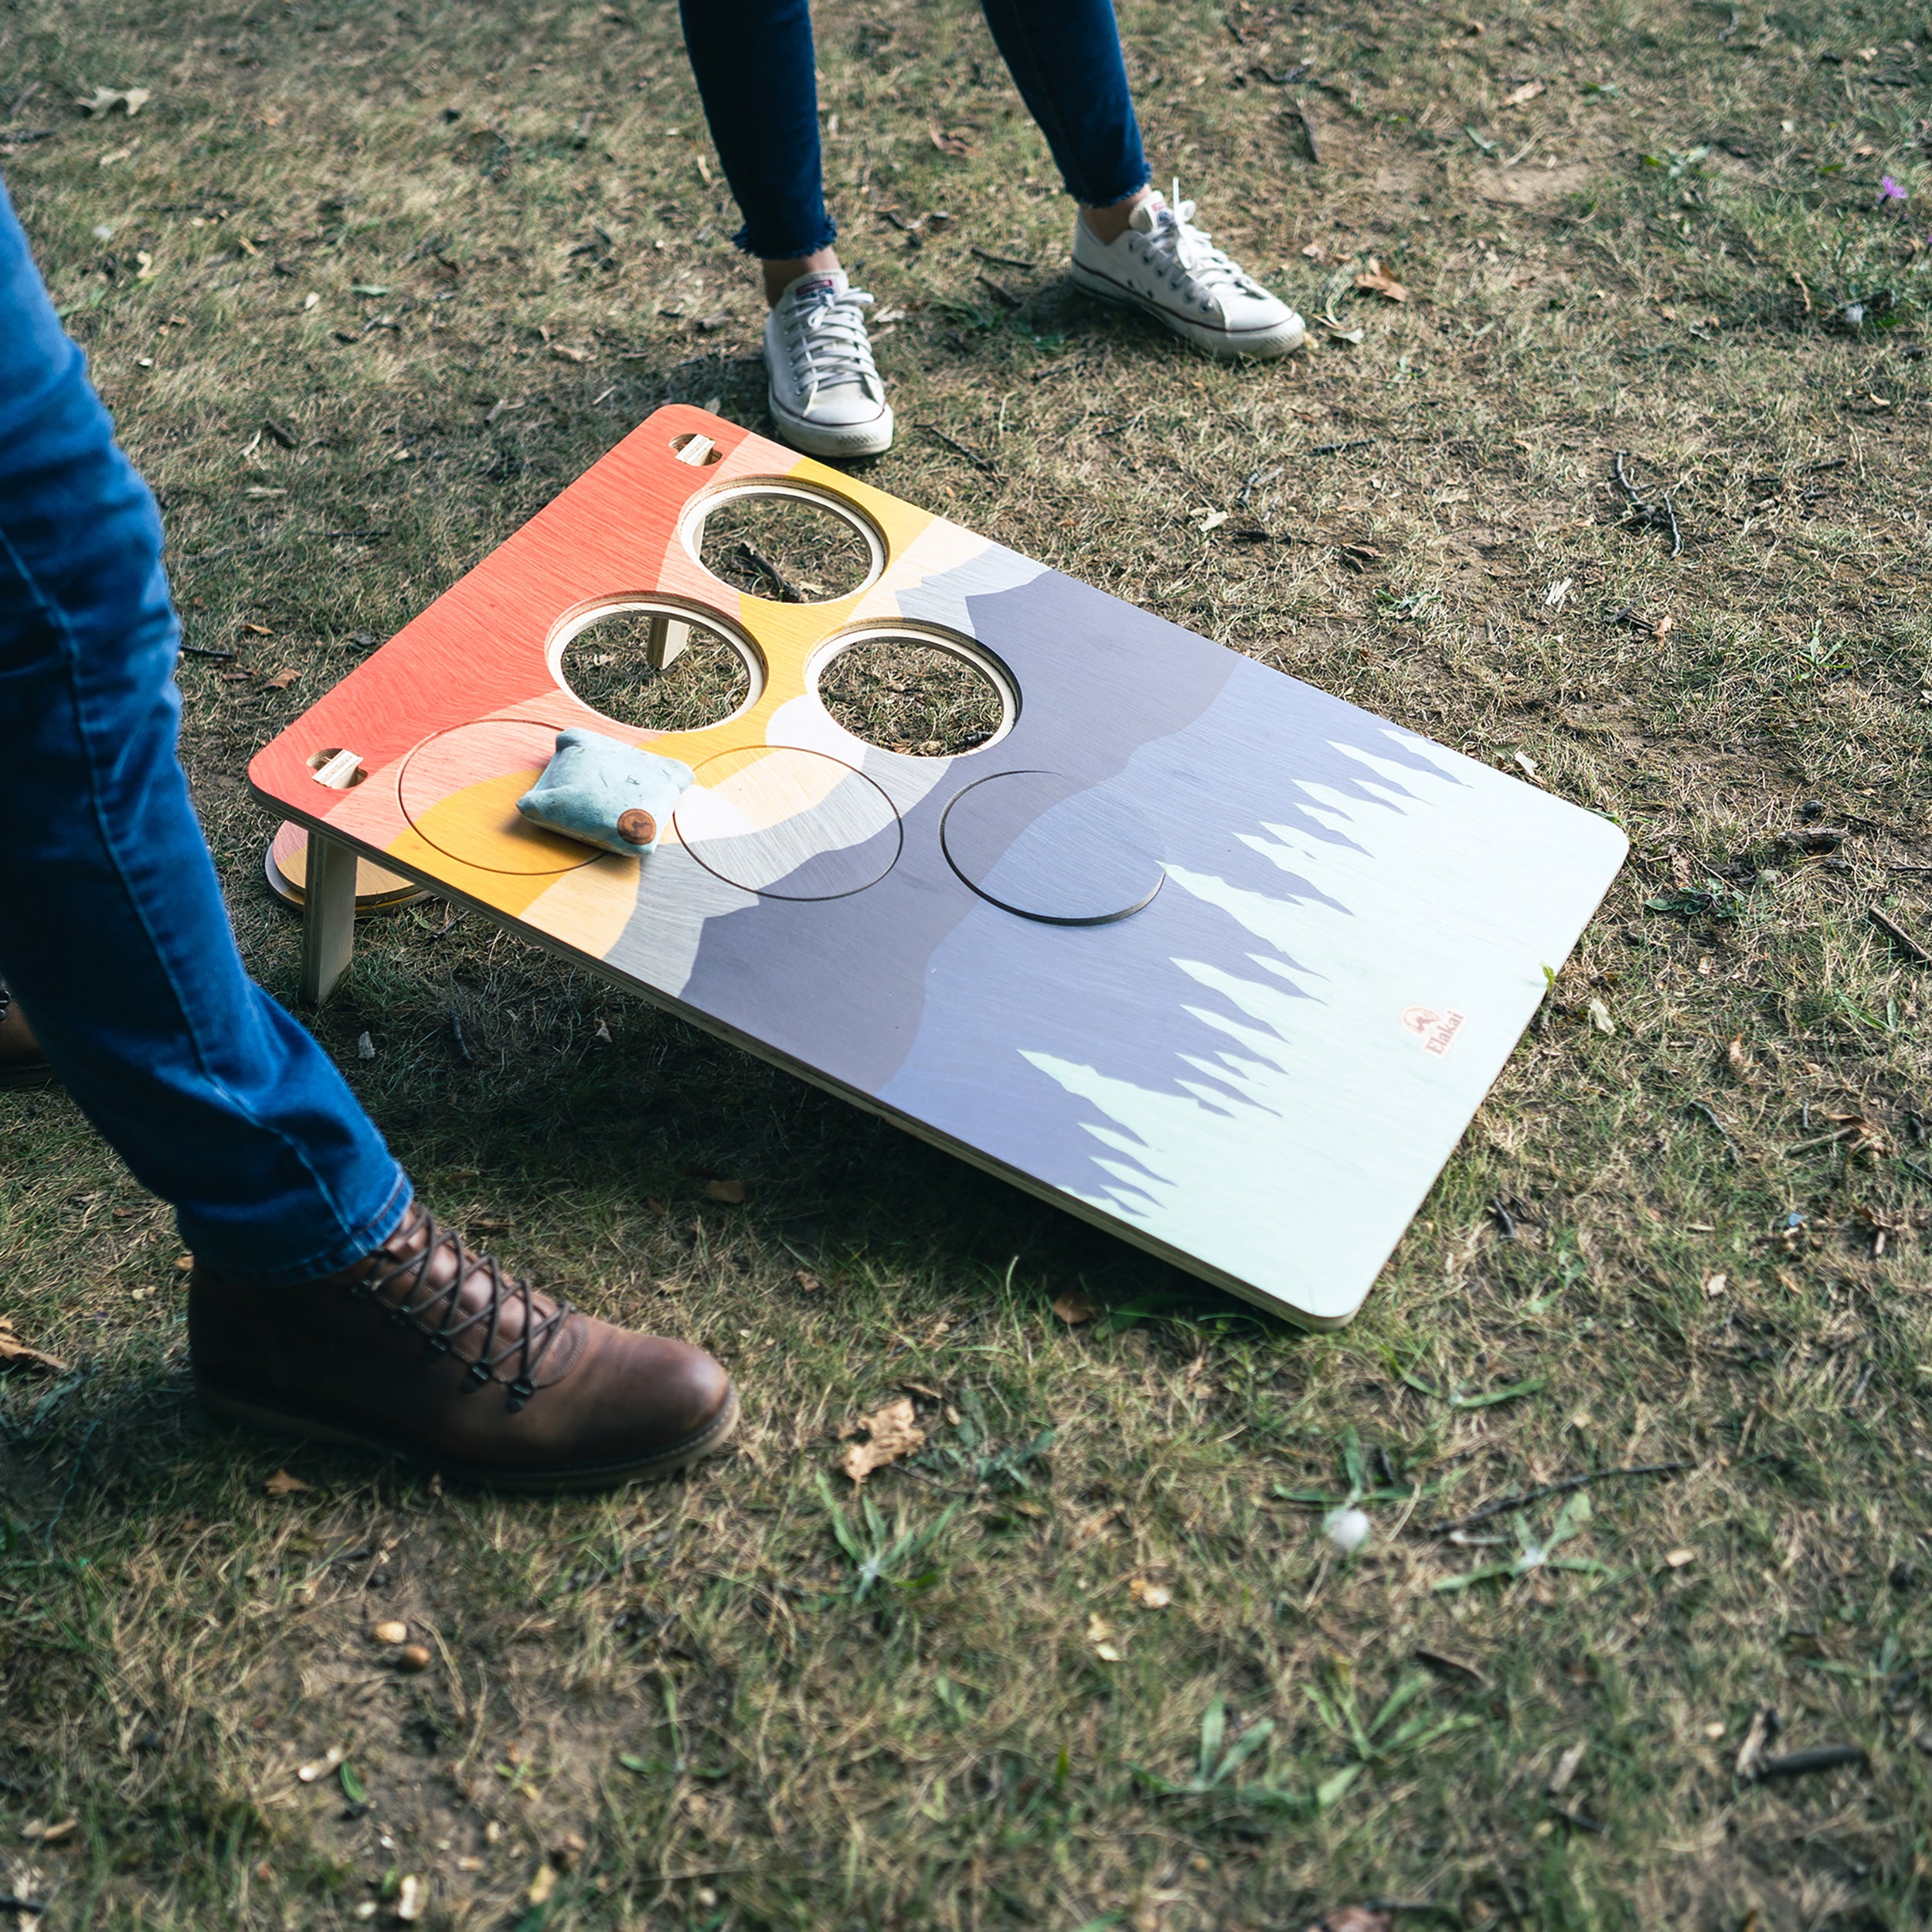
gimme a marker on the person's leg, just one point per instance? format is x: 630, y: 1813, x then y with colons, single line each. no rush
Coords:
x: 753, y: 61
x: 113, y: 933
x: 324, y: 1301
x: 1129, y: 245
x: 1065, y: 58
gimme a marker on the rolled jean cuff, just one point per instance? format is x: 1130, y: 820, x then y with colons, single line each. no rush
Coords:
x: 1110, y: 197
x: 363, y: 1239
x: 780, y: 248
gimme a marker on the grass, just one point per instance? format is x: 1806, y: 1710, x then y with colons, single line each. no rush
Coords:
x: 1087, y: 1660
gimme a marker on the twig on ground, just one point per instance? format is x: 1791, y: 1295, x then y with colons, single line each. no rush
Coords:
x: 1660, y: 516
x: 450, y: 924
x: 959, y: 449
x: 1704, y: 1108
x: 788, y: 593
x: 1503, y: 1504
x: 1001, y: 291
x: 1335, y: 449
x: 1000, y: 261
x: 203, y: 651
x: 1900, y: 937
x: 1825, y: 1757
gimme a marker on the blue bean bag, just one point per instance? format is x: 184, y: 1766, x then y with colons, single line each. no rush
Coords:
x: 606, y: 794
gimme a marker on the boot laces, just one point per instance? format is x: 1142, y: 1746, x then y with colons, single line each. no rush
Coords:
x: 826, y: 342
x: 1185, y: 253
x: 438, y: 1314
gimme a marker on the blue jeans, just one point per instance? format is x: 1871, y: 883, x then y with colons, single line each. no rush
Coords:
x: 754, y: 62
x: 113, y: 933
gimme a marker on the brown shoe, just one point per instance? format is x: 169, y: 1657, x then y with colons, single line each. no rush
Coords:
x: 430, y: 1351
x: 21, y: 1062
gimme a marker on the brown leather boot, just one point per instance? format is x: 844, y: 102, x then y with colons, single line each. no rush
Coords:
x: 21, y: 1062
x: 429, y: 1351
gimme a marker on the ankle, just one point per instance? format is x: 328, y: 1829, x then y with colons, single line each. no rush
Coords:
x: 780, y: 275
x: 1108, y: 225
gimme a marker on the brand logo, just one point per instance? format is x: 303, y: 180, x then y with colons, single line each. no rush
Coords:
x: 1435, y: 1030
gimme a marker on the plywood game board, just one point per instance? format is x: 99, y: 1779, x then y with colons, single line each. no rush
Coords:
x: 1210, y: 958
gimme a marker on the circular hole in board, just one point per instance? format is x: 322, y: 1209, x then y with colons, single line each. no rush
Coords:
x: 785, y: 542
x: 459, y: 791
x: 656, y: 667
x: 927, y: 694
x: 788, y: 824
x: 1040, y: 844
x: 285, y: 865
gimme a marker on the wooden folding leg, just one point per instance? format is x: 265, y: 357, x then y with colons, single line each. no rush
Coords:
x: 329, y: 917
x: 664, y: 638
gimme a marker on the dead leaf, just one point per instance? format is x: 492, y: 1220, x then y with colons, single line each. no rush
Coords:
x: 732, y: 1192
x: 1101, y: 1633
x: 1441, y: 1661
x: 1742, y: 1064
x: 1318, y: 253
x: 106, y: 98
x: 565, y: 1853
x: 283, y: 1483
x: 955, y: 145
x: 16, y: 1354
x: 1522, y: 96
x: 412, y: 1898
x: 1567, y: 1767
x: 1599, y: 1017
x: 1677, y: 1558
x: 808, y: 1283
x: 35, y: 1831
x: 1716, y: 1283
x: 541, y: 1885
x: 1356, y: 1918
x: 1375, y: 280
x: 281, y: 680
x: 391, y: 1633
x: 1073, y: 1307
x: 891, y: 1431
x: 565, y: 352
x: 1151, y: 1593
x: 710, y: 325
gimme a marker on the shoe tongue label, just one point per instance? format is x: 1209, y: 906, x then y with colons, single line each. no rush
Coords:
x: 818, y: 284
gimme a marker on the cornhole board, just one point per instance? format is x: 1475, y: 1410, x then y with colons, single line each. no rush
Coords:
x: 1210, y: 958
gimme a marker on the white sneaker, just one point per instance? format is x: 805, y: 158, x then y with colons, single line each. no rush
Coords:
x: 1167, y: 266
x: 826, y: 396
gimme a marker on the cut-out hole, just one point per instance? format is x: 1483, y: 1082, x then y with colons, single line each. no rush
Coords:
x: 694, y: 449
x: 902, y: 692
x: 336, y: 768
x: 786, y: 545
x: 610, y: 664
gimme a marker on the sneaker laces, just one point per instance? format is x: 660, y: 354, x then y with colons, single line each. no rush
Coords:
x: 1177, y: 247
x: 826, y: 341
x: 414, y: 1300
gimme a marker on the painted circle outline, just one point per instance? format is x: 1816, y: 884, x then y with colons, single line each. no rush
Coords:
x: 797, y: 899
x: 1022, y: 912
x: 592, y: 854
